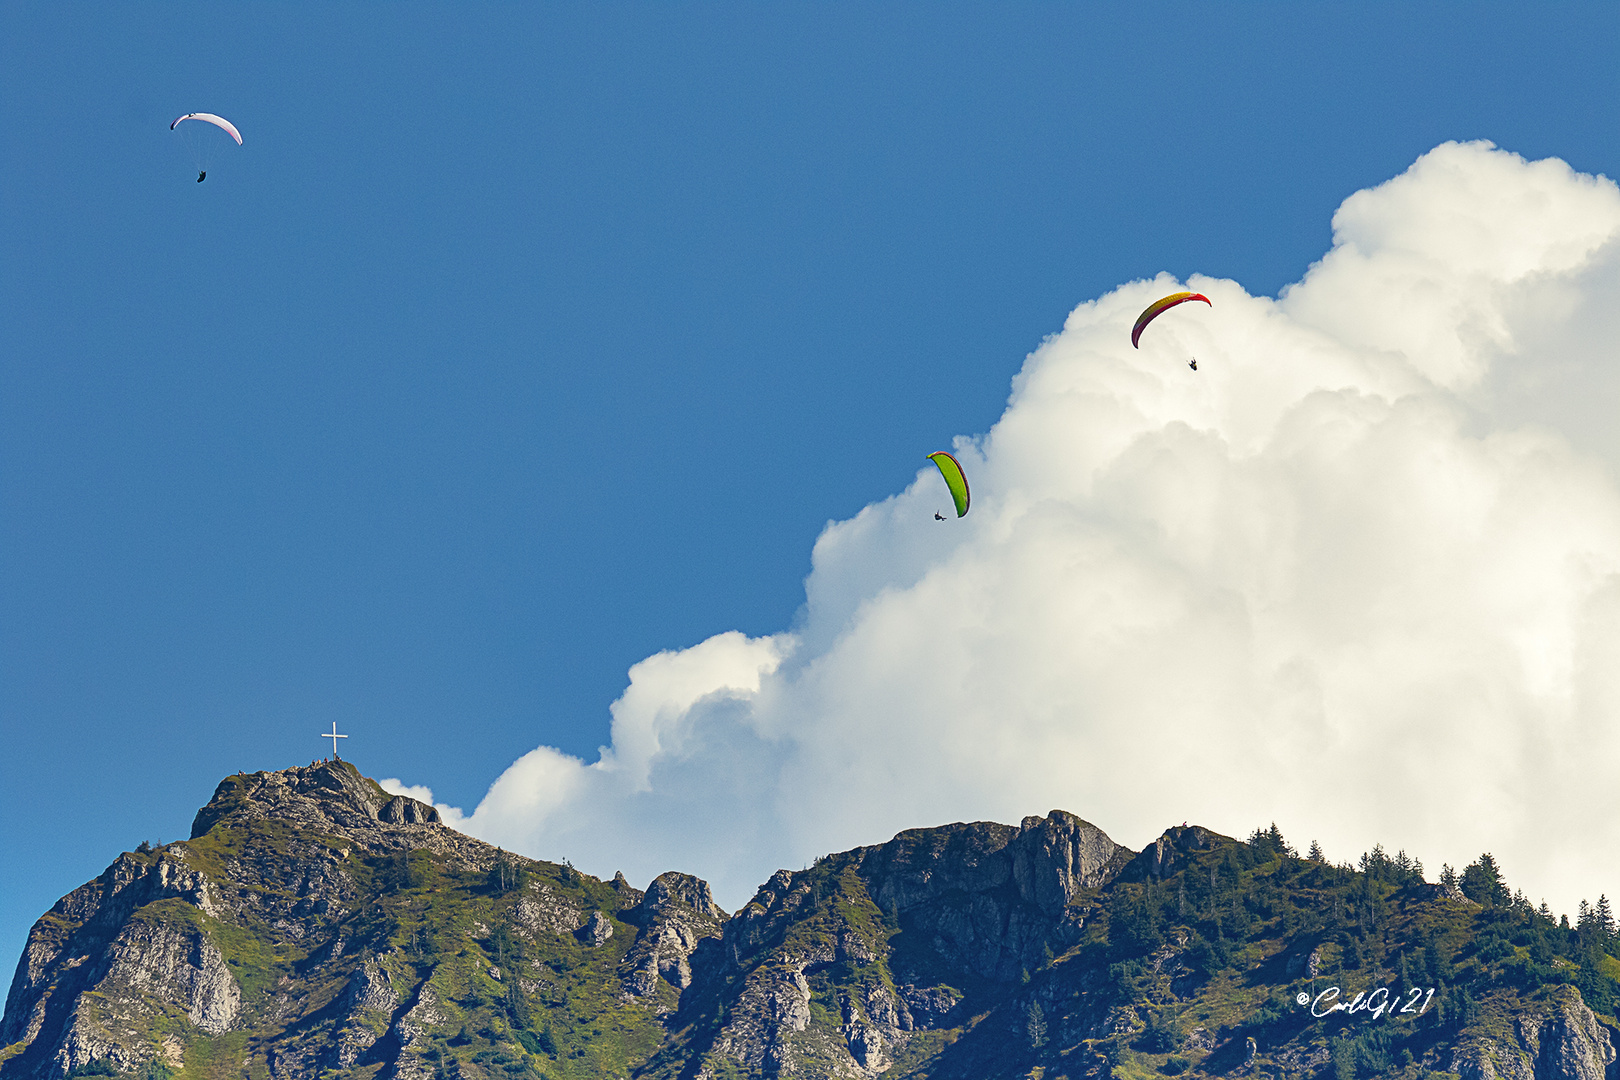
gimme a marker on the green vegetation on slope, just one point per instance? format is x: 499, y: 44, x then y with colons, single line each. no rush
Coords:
x: 1246, y: 942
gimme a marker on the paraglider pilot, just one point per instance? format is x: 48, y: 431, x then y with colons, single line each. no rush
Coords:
x: 201, y: 176
x: 938, y: 516
x: 1193, y: 363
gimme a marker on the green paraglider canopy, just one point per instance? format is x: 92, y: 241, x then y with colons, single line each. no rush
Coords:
x: 955, y: 479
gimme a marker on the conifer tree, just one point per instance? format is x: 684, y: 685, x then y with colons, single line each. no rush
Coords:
x: 1035, y: 1025
x: 1482, y: 882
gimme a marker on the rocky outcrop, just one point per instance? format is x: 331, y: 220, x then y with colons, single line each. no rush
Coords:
x: 870, y: 933
x: 1169, y: 854
x: 596, y: 931
x: 773, y: 1006
x: 1573, y: 1045
x: 91, y: 968
x: 328, y: 795
x: 148, y: 970
x: 676, y: 915
x: 992, y: 898
x: 411, y: 1032
x: 542, y: 910
x: 367, y: 1003
x: 1305, y: 962
x: 162, y: 962
x: 1442, y: 891
x: 1565, y: 1043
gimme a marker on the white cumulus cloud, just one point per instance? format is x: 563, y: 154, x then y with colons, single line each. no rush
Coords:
x: 1358, y: 574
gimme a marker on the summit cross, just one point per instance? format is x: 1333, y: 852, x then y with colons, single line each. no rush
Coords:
x: 334, y: 736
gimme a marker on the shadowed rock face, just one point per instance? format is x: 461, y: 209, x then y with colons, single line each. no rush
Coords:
x: 1045, y: 861
x: 993, y: 898
x: 884, y: 932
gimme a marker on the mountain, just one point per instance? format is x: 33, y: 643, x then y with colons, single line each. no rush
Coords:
x: 315, y: 926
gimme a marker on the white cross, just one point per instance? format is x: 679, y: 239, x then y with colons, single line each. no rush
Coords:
x: 334, y: 736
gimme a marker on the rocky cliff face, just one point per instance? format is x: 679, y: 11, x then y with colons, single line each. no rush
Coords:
x: 676, y: 918
x: 993, y: 899
x: 1563, y: 1039
x: 315, y: 926
x: 854, y: 965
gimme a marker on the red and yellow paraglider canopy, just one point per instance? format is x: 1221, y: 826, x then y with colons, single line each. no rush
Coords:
x: 1159, y: 307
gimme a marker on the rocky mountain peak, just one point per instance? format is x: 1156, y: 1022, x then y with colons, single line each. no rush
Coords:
x: 677, y: 917
x: 675, y: 891
x: 323, y: 794
x: 1169, y: 854
x: 1044, y: 860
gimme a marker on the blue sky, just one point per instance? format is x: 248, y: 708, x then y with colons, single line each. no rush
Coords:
x: 515, y: 346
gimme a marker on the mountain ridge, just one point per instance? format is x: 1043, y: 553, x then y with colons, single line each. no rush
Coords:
x: 316, y: 926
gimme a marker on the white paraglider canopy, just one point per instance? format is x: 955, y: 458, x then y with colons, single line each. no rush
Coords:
x: 217, y: 121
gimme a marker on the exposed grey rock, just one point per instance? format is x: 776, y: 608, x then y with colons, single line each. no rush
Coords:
x: 884, y: 1010
x: 1485, y: 1060
x: 992, y: 900
x: 676, y: 915
x: 1304, y: 964
x: 402, y: 810
x: 930, y: 1006
x: 629, y: 895
x: 773, y: 1005
x: 1057, y: 856
x: 542, y: 911
x: 992, y: 897
x: 866, y: 1046
x: 147, y: 969
x: 1573, y: 1045
x: 98, y: 910
x: 596, y: 931
x: 1566, y: 1043
x: 324, y: 795
x: 411, y: 1029
x: 1437, y: 891
x: 1170, y: 852
x: 941, y: 951
x: 369, y: 995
